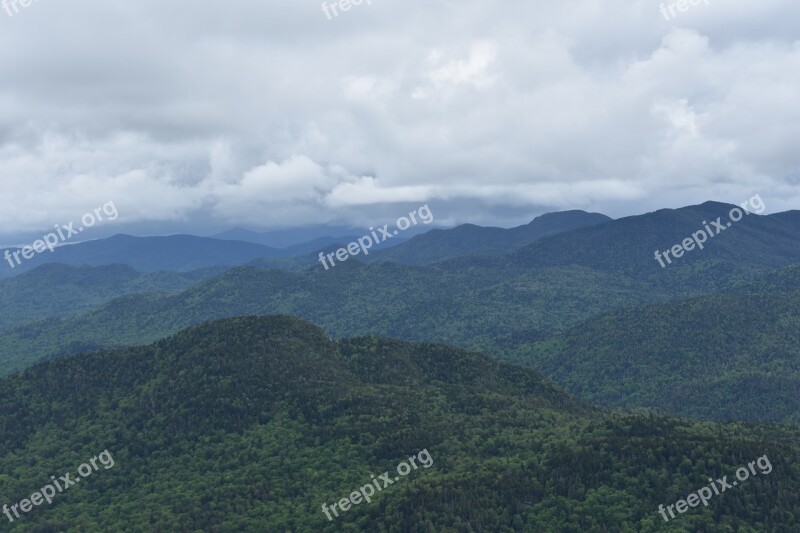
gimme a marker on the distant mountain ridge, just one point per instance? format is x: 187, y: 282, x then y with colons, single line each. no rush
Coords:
x: 285, y: 238
x: 791, y: 218
x: 626, y: 246
x: 179, y: 253
x: 468, y: 239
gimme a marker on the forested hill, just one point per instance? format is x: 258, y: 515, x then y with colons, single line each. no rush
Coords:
x: 251, y: 424
x: 474, y: 309
x: 626, y: 247
x: 56, y: 290
x: 786, y: 280
x: 728, y: 356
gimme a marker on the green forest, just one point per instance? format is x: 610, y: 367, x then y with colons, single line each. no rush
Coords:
x: 250, y: 424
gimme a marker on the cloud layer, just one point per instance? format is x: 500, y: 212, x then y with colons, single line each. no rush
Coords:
x: 266, y: 113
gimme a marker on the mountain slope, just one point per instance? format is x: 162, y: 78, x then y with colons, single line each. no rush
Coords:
x: 659, y: 356
x: 469, y: 239
x: 626, y: 246
x: 729, y: 356
x: 284, y: 238
x: 306, y: 255
x: 55, y: 290
x: 251, y: 424
x: 492, y: 304
x: 782, y: 280
x: 150, y: 254
x: 477, y: 309
x: 791, y: 218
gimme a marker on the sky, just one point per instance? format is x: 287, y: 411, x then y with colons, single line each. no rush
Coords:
x: 200, y: 116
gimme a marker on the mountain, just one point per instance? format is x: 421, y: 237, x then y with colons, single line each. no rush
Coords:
x: 627, y: 246
x: 286, y: 237
x: 307, y: 238
x: 56, y: 290
x: 485, y: 309
x: 782, y: 280
x: 306, y: 255
x: 791, y: 218
x: 469, y: 239
x: 728, y: 356
x: 317, y: 244
x: 150, y: 254
x: 422, y: 249
x: 500, y: 305
x: 252, y: 424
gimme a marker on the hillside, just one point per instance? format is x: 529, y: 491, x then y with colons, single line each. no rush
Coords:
x: 149, y: 254
x: 782, y: 280
x: 477, y: 308
x: 55, y: 290
x: 306, y: 255
x: 499, y: 306
x: 791, y: 218
x: 284, y: 238
x: 627, y: 246
x: 469, y: 239
x: 251, y: 424
x: 729, y: 356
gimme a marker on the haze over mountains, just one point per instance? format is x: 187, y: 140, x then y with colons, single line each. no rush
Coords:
x: 236, y: 247
x: 576, y: 299
x: 286, y: 237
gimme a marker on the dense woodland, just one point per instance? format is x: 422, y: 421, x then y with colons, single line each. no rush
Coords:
x: 224, y: 417
x: 250, y: 424
x: 712, y: 337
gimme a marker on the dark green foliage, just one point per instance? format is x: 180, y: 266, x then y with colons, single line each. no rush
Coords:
x: 731, y: 356
x: 467, y: 307
x: 509, y: 307
x: 251, y: 424
x: 785, y: 280
x: 55, y: 290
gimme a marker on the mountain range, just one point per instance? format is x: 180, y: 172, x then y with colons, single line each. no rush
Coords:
x: 288, y: 250
x: 560, y: 377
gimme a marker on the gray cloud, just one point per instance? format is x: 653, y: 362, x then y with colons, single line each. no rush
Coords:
x: 266, y: 113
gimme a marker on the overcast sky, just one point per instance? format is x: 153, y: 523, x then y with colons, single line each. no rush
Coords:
x: 202, y: 115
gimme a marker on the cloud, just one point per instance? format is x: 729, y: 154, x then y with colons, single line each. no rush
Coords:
x: 266, y: 113
x: 471, y: 71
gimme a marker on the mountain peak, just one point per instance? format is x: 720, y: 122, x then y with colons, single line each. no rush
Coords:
x: 572, y: 215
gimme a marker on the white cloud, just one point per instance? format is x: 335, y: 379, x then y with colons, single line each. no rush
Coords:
x: 471, y: 71
x: 265, y: 112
